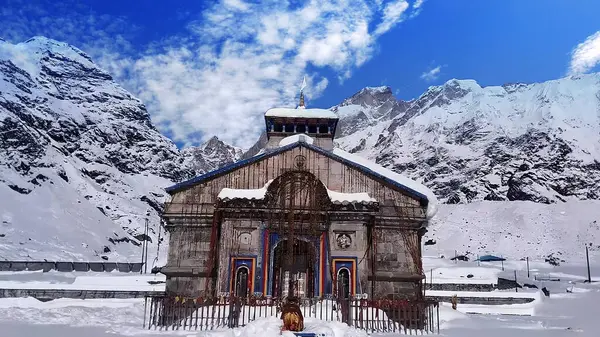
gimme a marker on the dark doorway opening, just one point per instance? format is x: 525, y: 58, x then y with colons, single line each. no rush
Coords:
x: 294, y: 269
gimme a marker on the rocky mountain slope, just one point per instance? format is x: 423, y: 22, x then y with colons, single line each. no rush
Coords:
x: 80, y: 161
x: 211, y: 155
x: 535, y: 142
x: 518, y: 166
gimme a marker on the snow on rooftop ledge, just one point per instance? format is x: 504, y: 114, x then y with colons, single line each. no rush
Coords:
x: 259, y: 193
x: 360, y: 197
x: 296, y: 138
x: 301, y: 113
x: 233, y: 193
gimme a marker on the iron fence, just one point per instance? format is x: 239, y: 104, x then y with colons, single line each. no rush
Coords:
x: 400, y: 316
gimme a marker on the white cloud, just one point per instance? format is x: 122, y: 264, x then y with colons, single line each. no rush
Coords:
x: 417, y: 6
x: 431, y: 74
x: 236, y: 4
x: 235, y: 60
x: 392, y: 14
x: 586, y: 55
x: 243, y: 64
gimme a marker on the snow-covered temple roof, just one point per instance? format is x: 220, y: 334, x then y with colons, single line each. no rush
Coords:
x: 301, y: 113
x: 399, y: 181
x: 296, y: 138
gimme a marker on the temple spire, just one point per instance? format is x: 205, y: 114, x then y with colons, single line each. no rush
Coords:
x: 301, y: 104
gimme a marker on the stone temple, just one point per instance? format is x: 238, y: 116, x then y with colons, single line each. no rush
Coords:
x: 300, y: 218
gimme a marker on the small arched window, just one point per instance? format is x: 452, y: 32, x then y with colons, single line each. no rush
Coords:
x: 241, y: 282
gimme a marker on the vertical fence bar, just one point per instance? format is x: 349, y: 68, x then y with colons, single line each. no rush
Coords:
x: 243, y: 310
x: 404, y: 319
x: 196, y: 309
x: 215, y: 309
x: 437, y: 306
x: 366, y: 315
x: 185, y: 315
x: 202, y: 315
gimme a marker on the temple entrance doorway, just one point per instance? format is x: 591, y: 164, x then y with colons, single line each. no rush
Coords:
x: 293, y: 269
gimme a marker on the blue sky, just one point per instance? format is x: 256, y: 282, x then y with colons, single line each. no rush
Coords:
x: 208, y: 68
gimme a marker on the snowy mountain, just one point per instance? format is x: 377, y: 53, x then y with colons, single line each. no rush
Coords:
x: 80, y: 161
x: 518, y: 166
x: 536, y: 142
x: 211, y: 155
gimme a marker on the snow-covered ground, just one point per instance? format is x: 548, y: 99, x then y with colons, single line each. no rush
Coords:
x: 516, y: 230
x: 82, y: 281
x: 569, y: 308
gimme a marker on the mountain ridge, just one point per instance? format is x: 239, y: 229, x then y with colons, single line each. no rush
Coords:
x: 458, y: 123
x: 78, y: 154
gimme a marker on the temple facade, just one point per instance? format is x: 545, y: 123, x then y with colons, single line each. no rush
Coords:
x: 300, y: 218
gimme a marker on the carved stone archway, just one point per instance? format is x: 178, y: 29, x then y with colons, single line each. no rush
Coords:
x: 298, y: 203
x: 309, y: 192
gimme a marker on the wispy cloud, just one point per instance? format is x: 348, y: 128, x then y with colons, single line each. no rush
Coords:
x: 431, y: 74
x: 235, y: 60
x: 392, y: 14
x: 240, y: 64
x: 417, y: 6
x: 586, y: 55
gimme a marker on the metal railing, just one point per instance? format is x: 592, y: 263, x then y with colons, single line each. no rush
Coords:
x: 400, y: 316
x: 69, y: 266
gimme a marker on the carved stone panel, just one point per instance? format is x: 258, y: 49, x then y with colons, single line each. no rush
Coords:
x: 343, y: 241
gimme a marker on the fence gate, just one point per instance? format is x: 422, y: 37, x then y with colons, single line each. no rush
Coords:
x: 373, y: 316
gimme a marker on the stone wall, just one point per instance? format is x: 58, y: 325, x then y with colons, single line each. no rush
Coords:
x: 189, y: 245
x: 188, y: 286
x: 187, y: 266
x: 357, y: 233
x: 239, y: 238
x: 394, y: 262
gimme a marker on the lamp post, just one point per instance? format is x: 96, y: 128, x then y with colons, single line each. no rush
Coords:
x: 145, y: 245
x: 587, y: 257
